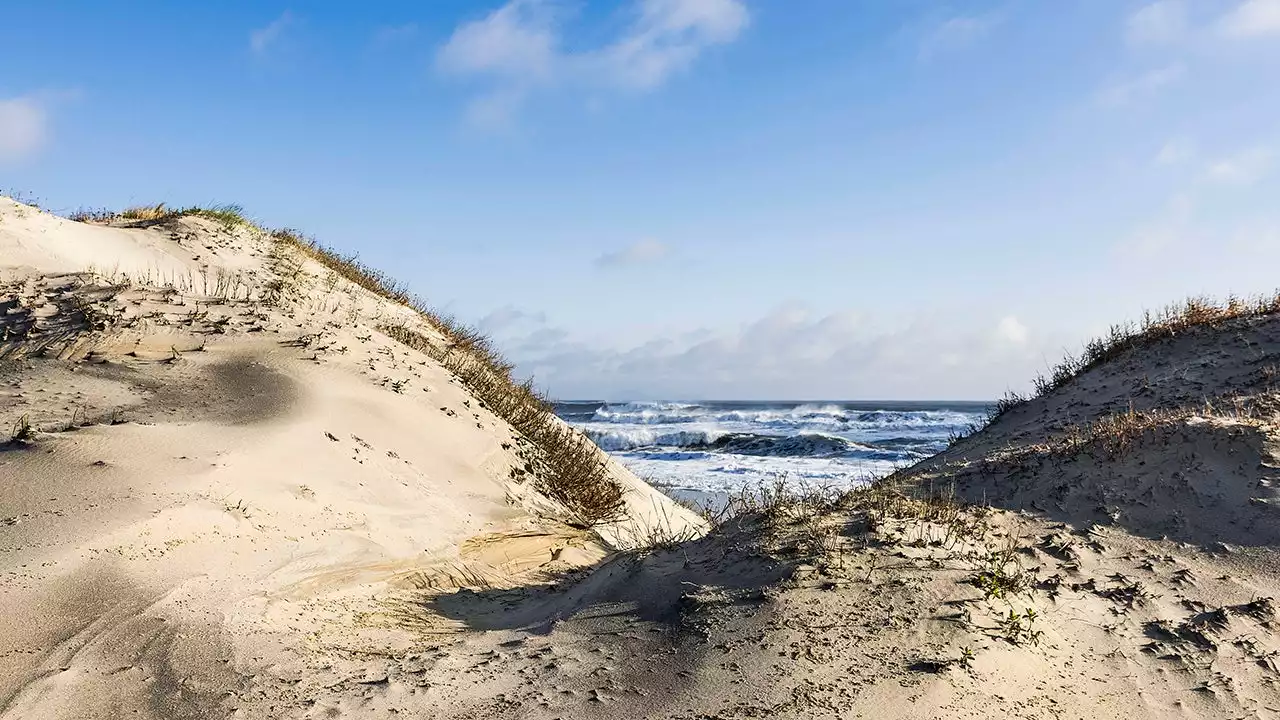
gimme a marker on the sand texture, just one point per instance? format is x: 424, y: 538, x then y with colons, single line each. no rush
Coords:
x: 240, y: 499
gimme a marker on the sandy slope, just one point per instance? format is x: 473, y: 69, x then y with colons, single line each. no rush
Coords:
x: 1115, y: 564
x: 295, y: 517
x: 225, y: 491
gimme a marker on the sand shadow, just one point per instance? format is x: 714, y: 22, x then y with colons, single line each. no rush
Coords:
x: 63, y: 309
x: 723, y: 570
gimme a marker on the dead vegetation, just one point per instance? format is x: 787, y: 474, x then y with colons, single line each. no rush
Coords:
x: 568, y: 466
x: 226, y: 214
x: 1112, y: 436
x: 1193, y: 313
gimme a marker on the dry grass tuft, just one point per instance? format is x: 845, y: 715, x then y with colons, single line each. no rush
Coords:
x: 226, y: 214
x: 1191, y: 314
x: 147, y: 213
x: 22, y: 431
x: 571, y: 468
x: 349, y: 267
x: 1113, y: 436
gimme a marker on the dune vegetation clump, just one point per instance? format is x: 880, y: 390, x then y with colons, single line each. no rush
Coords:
x: 573, y: 471
x: 1155, y: 326
x: 571, y: 468
x: 226, y: 214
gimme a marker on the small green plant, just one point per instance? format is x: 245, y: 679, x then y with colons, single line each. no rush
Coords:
x: 966, y: 657
x: 1000, y: 576
x: 1019, y: 627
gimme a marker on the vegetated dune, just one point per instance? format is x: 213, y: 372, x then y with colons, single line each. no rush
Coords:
x: 264, y: 491
x: 222, y: 468
x: 1175, y: 438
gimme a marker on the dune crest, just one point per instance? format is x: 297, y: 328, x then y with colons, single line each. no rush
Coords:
x: 224, y: 473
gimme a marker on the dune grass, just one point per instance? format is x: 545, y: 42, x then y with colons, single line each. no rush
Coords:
x: 227, y: 214
x: 1191, y: 314
x: 572, y: 469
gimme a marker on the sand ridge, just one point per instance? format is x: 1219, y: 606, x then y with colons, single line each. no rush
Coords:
x: 241, y: 502
x: 220, y: 482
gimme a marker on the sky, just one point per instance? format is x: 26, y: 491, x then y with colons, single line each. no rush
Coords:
x: 698, y: 199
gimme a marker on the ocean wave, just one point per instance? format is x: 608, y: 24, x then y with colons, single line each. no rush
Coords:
x: 631, y: 438
x: 807, y: 445
x: 832, y: 417
x: 715, y: 446
x: 706, y: 441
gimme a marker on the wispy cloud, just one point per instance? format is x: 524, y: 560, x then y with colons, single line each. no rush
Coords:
x: 1160, y: 22
x: 641, y: 252
x: 1252, y: 18
x: 393, y: 34
x: 517, y: 48
x: 262, y: 39
x: 24, y: 127
x: 1176, y: 151
x: 1143, y: 86
x: 954, y: 34
x: 1168, y: 230
x: 1244, y: 168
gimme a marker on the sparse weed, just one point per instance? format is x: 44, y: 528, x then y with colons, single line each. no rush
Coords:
x: 226, y: 214
x: 1155, y: 326
x: 1000, y: 576
x: 571, y: 468
x: 1019, y: 627
x: 22, y: 431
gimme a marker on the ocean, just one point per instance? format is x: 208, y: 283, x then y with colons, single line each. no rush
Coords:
x: 714, y: 448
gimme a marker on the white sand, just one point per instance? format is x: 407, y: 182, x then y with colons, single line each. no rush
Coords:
x: 286, y: 524
x: 272, y: 474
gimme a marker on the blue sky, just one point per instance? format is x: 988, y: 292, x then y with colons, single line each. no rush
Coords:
x: 699, y: 198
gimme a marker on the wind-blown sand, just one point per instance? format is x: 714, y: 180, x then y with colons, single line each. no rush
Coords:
x: 294, y: 516
x: 226, y: 494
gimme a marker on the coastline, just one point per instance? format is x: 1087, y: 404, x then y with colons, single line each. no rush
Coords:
x: 253, y: 498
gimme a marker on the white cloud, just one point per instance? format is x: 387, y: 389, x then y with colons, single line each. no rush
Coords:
x: 518, y: 48
x: 790, y: 352
x: 1143, y: 86
x: 1252, y: 18
x: 668, y: 36
x: 954, y: 34
x: 1012, y: 331
x: 1176, y: 152
x: 23, y: 127
x: 517, y: 41
x: 1161, y: 22
x: 644, y: 251
x: 262, y: 39
x: 1244, y: 168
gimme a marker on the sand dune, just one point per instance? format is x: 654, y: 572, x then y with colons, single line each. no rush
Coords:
x: 239, y: 502
x: 220, y: 490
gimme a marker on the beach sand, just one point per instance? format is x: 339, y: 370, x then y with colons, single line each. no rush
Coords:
x: 242, y: 509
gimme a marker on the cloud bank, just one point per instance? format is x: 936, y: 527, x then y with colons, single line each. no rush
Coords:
x: 789, y: 353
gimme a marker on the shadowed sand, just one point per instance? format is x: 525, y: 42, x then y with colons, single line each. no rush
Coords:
x: 232, y: 504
